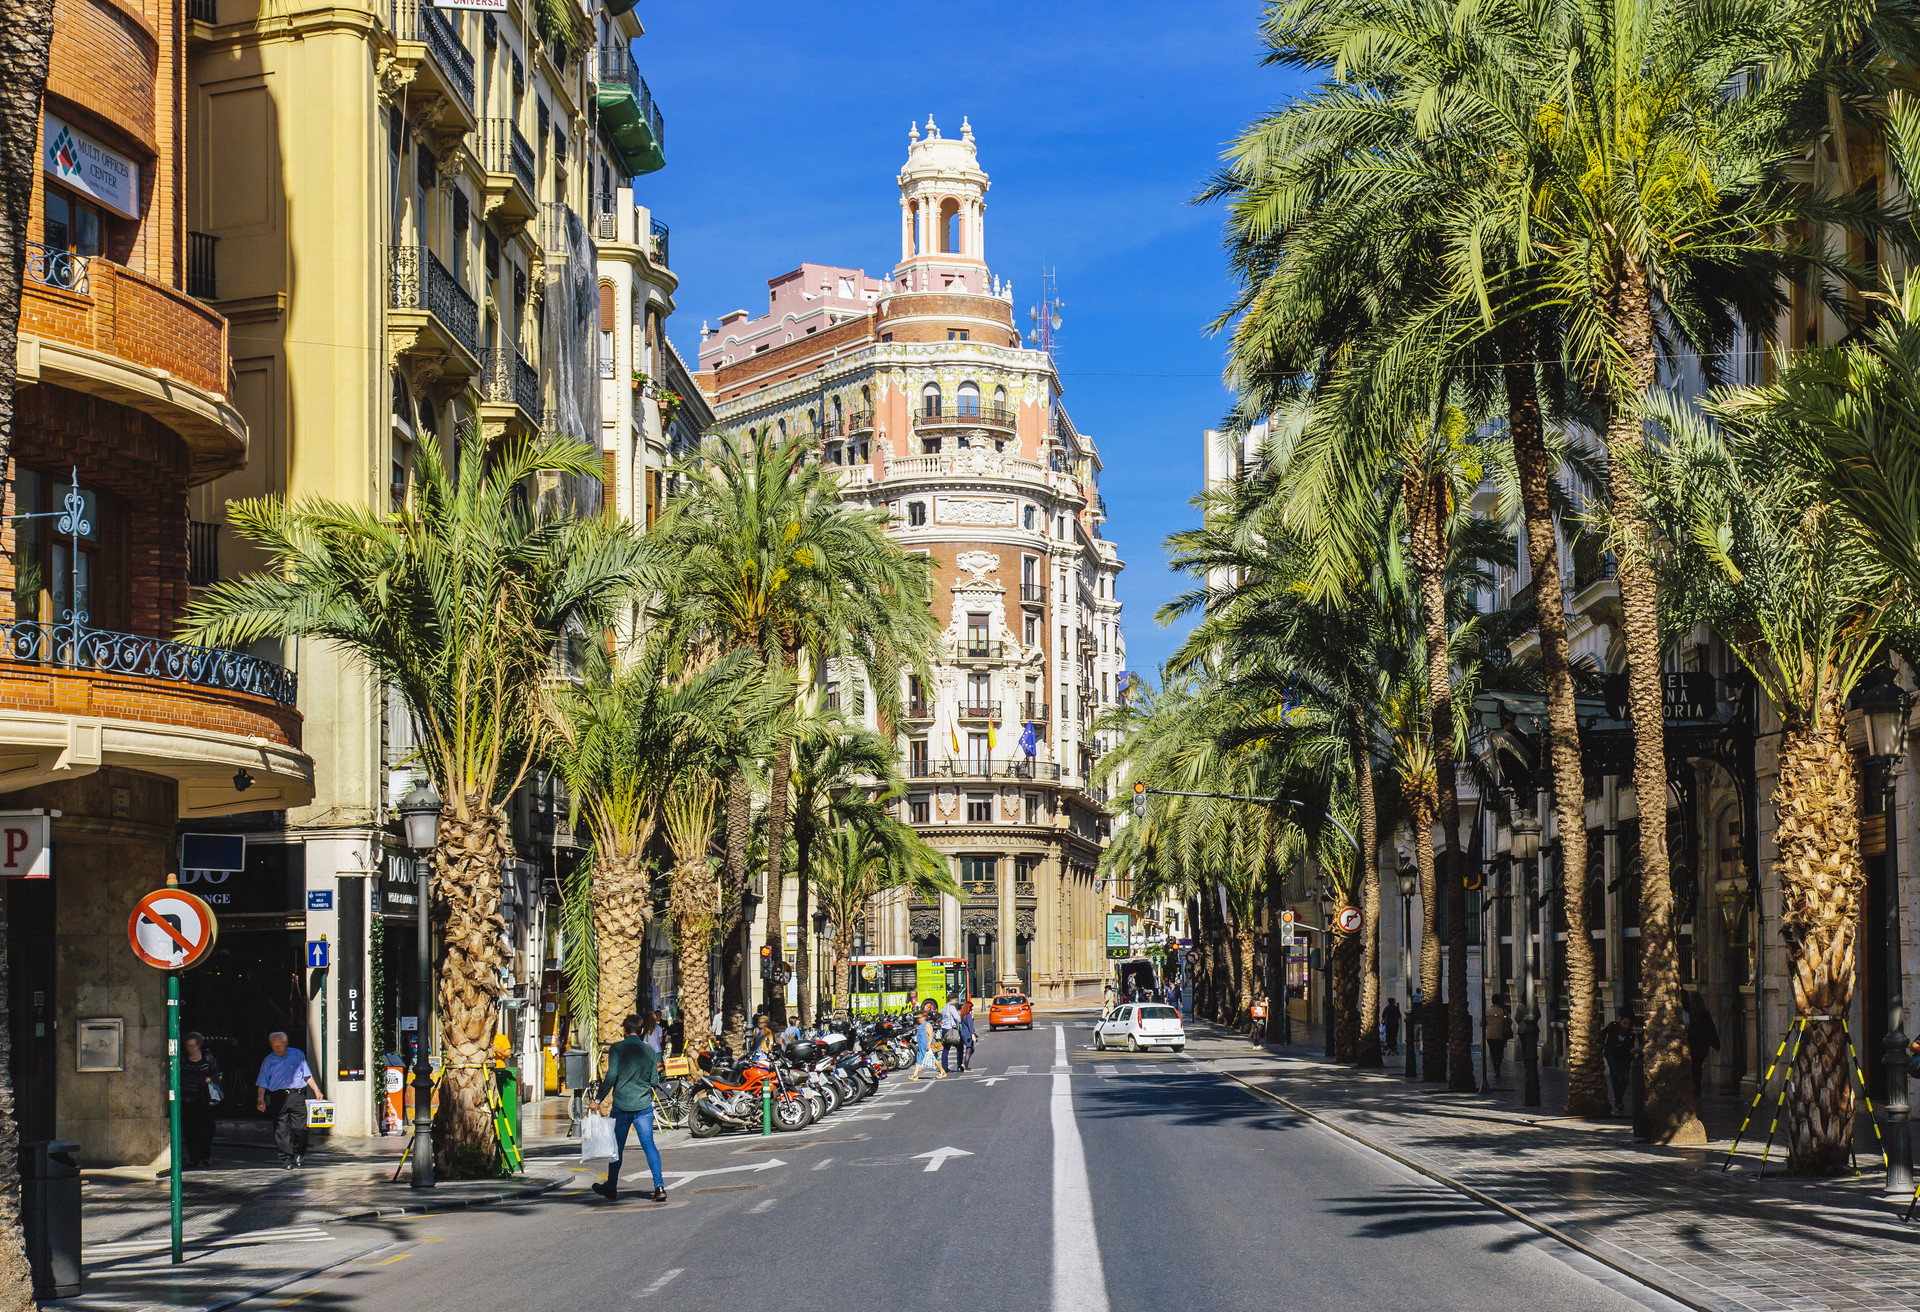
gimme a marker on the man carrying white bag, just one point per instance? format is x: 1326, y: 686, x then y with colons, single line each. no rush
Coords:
x: 633, y: 1069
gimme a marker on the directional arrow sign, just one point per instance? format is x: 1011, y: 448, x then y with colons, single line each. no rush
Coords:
x: 938, y: 1157
x: 684, y: 1177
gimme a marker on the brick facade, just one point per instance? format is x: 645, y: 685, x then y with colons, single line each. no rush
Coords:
x: 104, y: 60
x: 149, y: 701
x: 136, y: 319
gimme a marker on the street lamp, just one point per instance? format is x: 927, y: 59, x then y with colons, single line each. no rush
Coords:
x: 819, y: 936
x: 1409, y: 880
x: 420, y: 828
x: 1884, y: 705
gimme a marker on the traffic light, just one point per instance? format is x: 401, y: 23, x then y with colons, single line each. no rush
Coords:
x: 766, y: 961
x: 1139, y: 799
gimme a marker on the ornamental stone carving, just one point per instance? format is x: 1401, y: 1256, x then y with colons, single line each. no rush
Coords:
x: 977, y: 563
x: 949, y: 798
x: 1010, y: 804
x: 976, y: 512
x: 1023, y: 922
x: 979, y: 922
x: 924, y: 923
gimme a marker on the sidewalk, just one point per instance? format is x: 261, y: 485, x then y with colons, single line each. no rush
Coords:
x: 251, y: 1226
x: 1736, y: 1241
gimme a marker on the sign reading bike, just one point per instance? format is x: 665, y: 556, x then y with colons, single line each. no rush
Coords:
x: 172, y: 930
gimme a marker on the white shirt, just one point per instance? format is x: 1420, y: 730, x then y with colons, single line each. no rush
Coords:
x: 719, y: 1023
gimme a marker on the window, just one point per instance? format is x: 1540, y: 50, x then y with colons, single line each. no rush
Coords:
x: 957, y: 334
x: 950, y: 226
x: 977, y: 635
x: 886, y: 337
x: 1023, y: 871
x: 1033, y: 630
x: 1027, y: 518
x: 1063, y: 640
x: 979, y: 808
x: 916, y: 513
x: 833, y: 696
x: 1000, y: 399
x: 929, y: 446
x: 918, y: 765
x: 968, y: 401
x: 979, y: 691
x: 49, y: 581
x: 979, y: 869
x: 978, y: 757
x: 930, y: 401
x: 916, y: 696
x: 72, y: 224
x: 919, y: 811
x: 1024, y: 866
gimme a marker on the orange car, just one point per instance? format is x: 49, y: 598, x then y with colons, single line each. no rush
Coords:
x: 1009, y: 1011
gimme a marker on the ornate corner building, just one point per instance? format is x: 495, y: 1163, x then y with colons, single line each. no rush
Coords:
x: 918, y: 388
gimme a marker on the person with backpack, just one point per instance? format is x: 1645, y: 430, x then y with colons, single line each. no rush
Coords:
x: 633, y: 1071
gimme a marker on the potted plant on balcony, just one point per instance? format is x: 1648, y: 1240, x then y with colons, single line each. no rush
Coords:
x: 670, y: 402
x: 640, y: 381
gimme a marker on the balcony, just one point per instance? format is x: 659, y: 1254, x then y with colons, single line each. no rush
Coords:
x: 860, y: 421
x: 977, y: 651
x: 919, y: 711
x: 980, y: 711
x: 201, y: 284
x: 1036, y: 711
x: 512, y: 390
x: 431, y: 315
x: 203, y: 554
x: 429, y: 49
x: 74, y: 699
x: 627, y: 112
x: 92, y: 326
x: 658, y: 231
x: 1033, y: 594
x: 559, y: 228
x: 966, y: 413
x: 1015, y: 767
x: 512, y: 183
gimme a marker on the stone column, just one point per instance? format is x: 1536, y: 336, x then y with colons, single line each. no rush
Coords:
x: 1008, y: 919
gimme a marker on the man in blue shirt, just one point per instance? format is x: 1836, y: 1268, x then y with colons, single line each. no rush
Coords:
x: 282, y: 1087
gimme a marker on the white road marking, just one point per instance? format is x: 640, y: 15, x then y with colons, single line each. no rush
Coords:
x: 869, y: 1116
x: 677, y: 1178
x: 660, y: 1281
x: 822, y: 1164
x: 297, y: 1234
x: 1079, y: 1281
x: 1106, y: 1069
x: 992, y: 1080
x: 1016, y: 1070
x: 764, y: 1205
x: 940, y: 1156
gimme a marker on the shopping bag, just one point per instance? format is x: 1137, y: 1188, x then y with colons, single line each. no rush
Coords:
x: 596, y: 1139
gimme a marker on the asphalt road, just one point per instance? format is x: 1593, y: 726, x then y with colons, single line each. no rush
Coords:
x: 1113, y: 1183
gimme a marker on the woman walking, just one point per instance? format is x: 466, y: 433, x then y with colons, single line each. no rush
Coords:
x: 966, y: 1035
x: 199, y: 1091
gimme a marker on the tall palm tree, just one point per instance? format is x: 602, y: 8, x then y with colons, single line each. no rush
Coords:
x: 460, y: 601
x: 1787, y: 582
x: 620, y: 738
x: 871, y: 855
x: 765, y: 556
x: 691, y: 809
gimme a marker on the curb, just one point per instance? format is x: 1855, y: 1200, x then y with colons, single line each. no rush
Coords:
x: 1486, y: 1200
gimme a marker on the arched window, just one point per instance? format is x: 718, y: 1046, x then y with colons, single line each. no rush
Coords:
x: 950, y: 226
x: 866, y: 398
x: 930, y: 401
x: 969, y: 399
x: 783, y: 430
x: 914, y: 215
x: 1000, y: 402
x: 838, y: 414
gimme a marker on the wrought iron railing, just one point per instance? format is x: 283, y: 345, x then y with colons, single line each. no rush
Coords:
x: 201, y: 282
x: 75, y: 646
x: 919, y: 711
x: 203, y: 554
x: 967, y: 411
x: 1018, y: 767
x: 1591, y: 564
x: 415, y: 20
x: 982, y: 651
x: 554, y: 216
x: 860, y: 421
x: 510, y: 379
x: 202, y: 11
x: 1037, y: 711
x: 659, y: 231
x: 617, y: 68
x: 504, y: 150
x: 980, y: 711
x: 1034, y: 594
x: 51, y: 267
x: 418, y: 281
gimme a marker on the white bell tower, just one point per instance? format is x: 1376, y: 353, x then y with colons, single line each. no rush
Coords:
x: 942, y: 214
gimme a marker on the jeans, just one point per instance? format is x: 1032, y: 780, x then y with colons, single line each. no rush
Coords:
x: 641, y: 1121
x: 1617, y: 1073
x: 951, y: 1048
x: 196, y: 1128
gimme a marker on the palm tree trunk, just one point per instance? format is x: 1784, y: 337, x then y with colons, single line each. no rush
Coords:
x: 1346, y: 996
x: 474, y: 848
x: 1367, y: 1053
x: 1586, y: 1080
x: 1426, y: 513
x: 1671, y: 1105
x: 1196, y: 957
x: 622, y: 910
x: 777, y: 806
x: 733, y: 956
x: 1216, y: 972
x: 1276, y: 973
x: 803, y: 965
x: 1817, y: 836
x: 1433, y: 1037
x: 26, y: 37
x: 1243, y: 969
x: 691, y: 901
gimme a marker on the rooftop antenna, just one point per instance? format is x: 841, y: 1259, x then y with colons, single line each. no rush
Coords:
x: 1044, y: 335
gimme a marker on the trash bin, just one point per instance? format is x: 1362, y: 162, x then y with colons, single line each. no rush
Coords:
x: 50, y: 1215
x: 576, y: 1068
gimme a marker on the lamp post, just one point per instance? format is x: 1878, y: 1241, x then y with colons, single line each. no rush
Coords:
x: 1526, y: 856
x: 420, y: 826
x: 819, y: 974
x: 1884, y: 706
x: 1409, y: 880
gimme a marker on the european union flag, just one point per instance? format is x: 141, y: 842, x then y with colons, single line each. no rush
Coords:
x: 1029, y: 740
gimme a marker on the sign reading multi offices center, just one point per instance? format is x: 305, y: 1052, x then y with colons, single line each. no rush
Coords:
x: 76, y: 160
x: 1119, y: 936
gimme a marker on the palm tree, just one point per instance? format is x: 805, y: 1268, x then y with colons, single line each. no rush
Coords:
x: 620, y: 738
x: 871, y: 855
x: 765, y: 556
x: 460, y: 601
x: 839, y: 773
x: 693, y: 901
x: 1785, y: 580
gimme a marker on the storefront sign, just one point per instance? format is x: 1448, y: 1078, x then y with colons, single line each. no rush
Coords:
x: 490, y: 6
x: 350, y: 979
x: 25, y: 852
x: 76, y: 160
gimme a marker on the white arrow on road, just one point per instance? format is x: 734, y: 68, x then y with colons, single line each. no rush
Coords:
x: 677, y: 1178
x: 938, y: 1157
x: 992, y: 1080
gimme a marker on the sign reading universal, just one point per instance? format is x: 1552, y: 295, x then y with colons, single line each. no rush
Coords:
x: 76, y: 160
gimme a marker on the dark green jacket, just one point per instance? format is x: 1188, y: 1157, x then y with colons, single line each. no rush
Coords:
x: 633, y: 1068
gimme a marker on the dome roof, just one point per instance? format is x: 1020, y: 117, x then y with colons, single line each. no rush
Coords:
x: 934, y: 153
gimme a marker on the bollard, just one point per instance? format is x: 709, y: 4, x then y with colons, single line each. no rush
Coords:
x: 766, y: 1110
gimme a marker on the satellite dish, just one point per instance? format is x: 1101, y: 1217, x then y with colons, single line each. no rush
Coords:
x: 1056, y: 323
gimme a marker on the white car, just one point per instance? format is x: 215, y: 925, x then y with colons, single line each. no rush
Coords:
x: 1137, y: 1025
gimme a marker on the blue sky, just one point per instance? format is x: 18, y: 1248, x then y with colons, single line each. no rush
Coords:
x: 786, y: 124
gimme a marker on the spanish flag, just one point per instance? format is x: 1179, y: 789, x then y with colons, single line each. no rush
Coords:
x: 954, y: 734
x: 992, y: 740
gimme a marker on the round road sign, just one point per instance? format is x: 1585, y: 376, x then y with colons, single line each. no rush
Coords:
x: 1349, y: 920
x: 171, y: 929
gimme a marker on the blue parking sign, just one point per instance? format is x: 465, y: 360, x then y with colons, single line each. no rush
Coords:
x: 317, y: 954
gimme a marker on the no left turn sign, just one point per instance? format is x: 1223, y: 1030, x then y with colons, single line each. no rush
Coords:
x: 172, y: 930
x: 1349, y: 920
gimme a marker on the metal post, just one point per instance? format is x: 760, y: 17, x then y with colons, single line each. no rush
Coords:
x: 1899, y: 1144
x: 766, y: 1110
x: 1412, y: 1017
x: 174, y: 1145
x: 422, y: 1072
